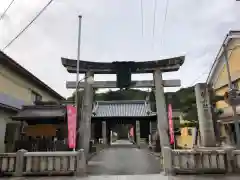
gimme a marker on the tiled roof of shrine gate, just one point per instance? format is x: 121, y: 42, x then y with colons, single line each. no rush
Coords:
x: 131, y: 108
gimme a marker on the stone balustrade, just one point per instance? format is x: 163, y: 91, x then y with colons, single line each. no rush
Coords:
x: 7, y: 163
x: 43, y: 163
x: 203, y: 161
x: 236, y: 161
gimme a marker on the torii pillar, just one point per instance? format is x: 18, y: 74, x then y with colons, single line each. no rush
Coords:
x: 162, y: 119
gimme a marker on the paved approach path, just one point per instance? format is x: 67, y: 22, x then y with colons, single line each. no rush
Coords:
x: 122, y: 158
x: 131, y: 177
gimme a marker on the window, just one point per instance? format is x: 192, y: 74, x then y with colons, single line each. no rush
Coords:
x: 36, y: 96
x: 190, y: 132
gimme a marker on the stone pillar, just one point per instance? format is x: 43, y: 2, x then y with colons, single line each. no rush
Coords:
x: 138, y: 135
x: 149, y: 140
x: 104, y: 132
x: 86, y: 115
x: 93, y: 131
x: 19, y: 163
x: 162, y: 120
x: 204, y: 116
x: 150, y: 127
x: 81, y: 166
x: 111, y: 135
x: 150, y: 133
x: 167, y: 165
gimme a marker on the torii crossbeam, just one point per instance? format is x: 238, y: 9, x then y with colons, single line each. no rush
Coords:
x: 113, y: 84
x: 165, y: 65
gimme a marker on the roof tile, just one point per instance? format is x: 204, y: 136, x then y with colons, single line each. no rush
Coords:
x: 139, y: 108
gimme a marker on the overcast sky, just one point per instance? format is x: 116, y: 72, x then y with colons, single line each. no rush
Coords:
x: 112, y: 31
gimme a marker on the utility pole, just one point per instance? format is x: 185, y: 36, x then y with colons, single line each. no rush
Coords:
x: 77, y: 76
x: 230, y: 86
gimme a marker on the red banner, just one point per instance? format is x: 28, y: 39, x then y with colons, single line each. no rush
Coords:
x: 171, y: 130
x: 72, y: 117
x: 131, y: 132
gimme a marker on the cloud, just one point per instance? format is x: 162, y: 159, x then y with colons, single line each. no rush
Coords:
x: 111, y: 31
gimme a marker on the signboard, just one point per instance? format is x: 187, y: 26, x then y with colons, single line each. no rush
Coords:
x: 204, y: 101
x: 72, y: 118
x: 171, y: 130
x: 46, y: 130
x: 205, y: 104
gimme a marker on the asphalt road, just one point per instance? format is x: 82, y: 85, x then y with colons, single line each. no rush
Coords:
x: 124, y: 159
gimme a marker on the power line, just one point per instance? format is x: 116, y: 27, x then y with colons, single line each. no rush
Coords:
x: 154, y: 17
x: 29, y: 24
x: 141, y: 4
x: 196, y: 79
x: 165, y: 20
x: 4, y: 13
x: 200, y: 75
x: 206, y: 71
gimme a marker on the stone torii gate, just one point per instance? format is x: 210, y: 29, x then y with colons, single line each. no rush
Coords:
x: 156, y: 67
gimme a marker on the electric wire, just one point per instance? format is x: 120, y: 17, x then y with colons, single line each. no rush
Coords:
x: 154, y: 17
x: 165, y: 20
x: 5, y: 11
x: 29, y: 24
x: 198, y: 77
x: 141, y: 9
